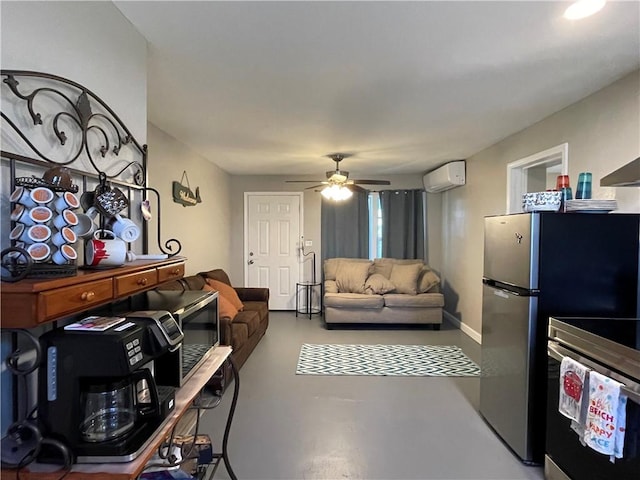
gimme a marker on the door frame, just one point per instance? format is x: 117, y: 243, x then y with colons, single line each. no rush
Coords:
x: 245, y: 223
x: 517, y: 173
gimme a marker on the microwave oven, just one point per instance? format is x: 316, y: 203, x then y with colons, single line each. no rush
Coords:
x: 197, y: 315
x: 195, y: 311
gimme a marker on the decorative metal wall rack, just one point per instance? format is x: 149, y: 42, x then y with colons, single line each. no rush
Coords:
x: 62, y: 123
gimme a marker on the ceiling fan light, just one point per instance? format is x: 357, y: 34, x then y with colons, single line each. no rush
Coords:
x: 336, y: 193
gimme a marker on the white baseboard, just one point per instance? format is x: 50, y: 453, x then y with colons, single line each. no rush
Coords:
x: 476, y: 336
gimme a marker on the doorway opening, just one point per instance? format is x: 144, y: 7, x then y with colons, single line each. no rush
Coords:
x: 535, y: 173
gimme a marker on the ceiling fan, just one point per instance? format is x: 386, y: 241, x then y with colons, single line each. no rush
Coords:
x: 340, y: 178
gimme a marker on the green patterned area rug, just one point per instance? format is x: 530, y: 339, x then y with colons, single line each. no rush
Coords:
x: 386, y: 360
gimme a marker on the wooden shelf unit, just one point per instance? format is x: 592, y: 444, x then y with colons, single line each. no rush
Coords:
x: 131, y: 470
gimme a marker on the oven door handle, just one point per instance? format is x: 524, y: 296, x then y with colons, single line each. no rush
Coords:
x: 629, y: 388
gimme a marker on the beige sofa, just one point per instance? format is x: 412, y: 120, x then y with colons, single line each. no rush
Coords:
x: 385, y: 290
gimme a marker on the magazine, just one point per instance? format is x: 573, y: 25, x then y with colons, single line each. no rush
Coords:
x: 95, y: 323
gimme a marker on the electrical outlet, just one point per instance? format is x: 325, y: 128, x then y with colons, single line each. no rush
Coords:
x: 308, y: 243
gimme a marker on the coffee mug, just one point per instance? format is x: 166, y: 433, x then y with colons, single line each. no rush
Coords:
x: 64, y: 236
x: 32, y: 234
x: 22, y: 195
x: 39, y: 252
x: 67, y: 218
x: 124, y: 228
x: 66, y: 201
x: 64, y: 254
x: 31, y: 216
x: 42, y: 195
x: 105, y: 252
x: 86, y: 227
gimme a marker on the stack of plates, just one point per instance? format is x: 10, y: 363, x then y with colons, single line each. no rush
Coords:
x: 591, y: 205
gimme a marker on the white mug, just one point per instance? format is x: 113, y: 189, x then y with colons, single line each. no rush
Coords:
x: 64, y: 254
x: 64, y: 236
x: 42, y: 195
x: 105, y: 252
x: 67, y: 218
x: 124, y: 228
x: 22, y: 195
x: 86, y: 227
x: 39, y: 252
x: 65, y: 201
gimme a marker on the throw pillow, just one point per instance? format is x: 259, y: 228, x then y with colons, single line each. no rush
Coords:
x: 225, y: 307
x: 427, y: 280
x: 405, y: 278
x: 377, y: 284
x: 351, y: 276
x: 227, y: 291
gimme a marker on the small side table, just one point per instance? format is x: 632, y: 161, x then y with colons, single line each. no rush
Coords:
x: 309, y: 291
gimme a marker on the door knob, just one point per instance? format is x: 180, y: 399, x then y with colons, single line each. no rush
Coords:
x: 250, y: 262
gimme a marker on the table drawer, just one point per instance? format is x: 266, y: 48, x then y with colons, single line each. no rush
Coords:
x: 170, y: 272
x: 126, y: 284
x: 60, y: 301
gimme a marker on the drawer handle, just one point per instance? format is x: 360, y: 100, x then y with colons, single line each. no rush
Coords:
x: 143, y: 281
x: 175, y: 272
x: 87, y: 296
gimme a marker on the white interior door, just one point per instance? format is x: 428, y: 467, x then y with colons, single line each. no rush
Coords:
x: 272, y: 236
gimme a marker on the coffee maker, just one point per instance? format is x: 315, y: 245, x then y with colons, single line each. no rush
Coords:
x: 96, y: 391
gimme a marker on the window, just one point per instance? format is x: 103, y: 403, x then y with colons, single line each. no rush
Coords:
x: 375, y: 226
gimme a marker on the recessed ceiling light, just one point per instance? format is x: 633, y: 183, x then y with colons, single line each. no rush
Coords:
x: 583, y: 8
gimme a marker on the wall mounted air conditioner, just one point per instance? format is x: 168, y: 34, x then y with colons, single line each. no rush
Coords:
x: 443, y: 178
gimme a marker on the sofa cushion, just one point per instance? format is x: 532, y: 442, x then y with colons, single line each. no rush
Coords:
x: 378, y: 284
x: 330, y: 286
x: 418, y: 301
x: 227, y: 291
x: 262, y: 308
x: 383, y: 266
x: 353, y: 300
x: 330, y: 265
x: 239, y: 334
x: 217, y: 274
x: 250, y: 319
x: 351, y: 276
x: 427, y: 280
x: 405, y: 277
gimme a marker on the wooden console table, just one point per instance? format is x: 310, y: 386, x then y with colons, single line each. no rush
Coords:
x: 131, y: 470
x: 32, y: 302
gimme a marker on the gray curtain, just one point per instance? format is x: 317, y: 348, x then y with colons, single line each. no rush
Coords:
x: 345, y: 227
x: 403, y: 223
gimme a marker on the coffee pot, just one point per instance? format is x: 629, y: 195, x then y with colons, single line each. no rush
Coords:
x: 112, y: 406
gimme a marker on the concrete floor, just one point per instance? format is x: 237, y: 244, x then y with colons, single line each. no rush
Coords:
x: 290, y: 426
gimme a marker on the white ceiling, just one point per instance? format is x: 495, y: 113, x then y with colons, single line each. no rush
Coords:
x: 271, y: 87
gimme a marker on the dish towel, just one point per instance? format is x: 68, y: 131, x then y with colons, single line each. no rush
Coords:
x: 573, y: 376
x: 605, y: 426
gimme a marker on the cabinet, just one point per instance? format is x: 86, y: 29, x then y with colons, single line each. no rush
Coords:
x: 33, y: 302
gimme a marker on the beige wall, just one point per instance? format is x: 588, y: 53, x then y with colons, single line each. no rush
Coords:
x: 203, y: 229
x: 602, y: 131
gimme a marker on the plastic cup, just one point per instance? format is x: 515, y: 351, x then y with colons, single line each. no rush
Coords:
x: 42, y: 195
x: 583, y: 190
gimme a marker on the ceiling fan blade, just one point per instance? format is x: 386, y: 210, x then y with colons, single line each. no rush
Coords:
x: 355, y: 188
x: 315, y: 186
x: 302, y: 181
x: 372, y: 182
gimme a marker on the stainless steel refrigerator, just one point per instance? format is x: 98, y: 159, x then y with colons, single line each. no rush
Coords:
x: 538, y: 265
